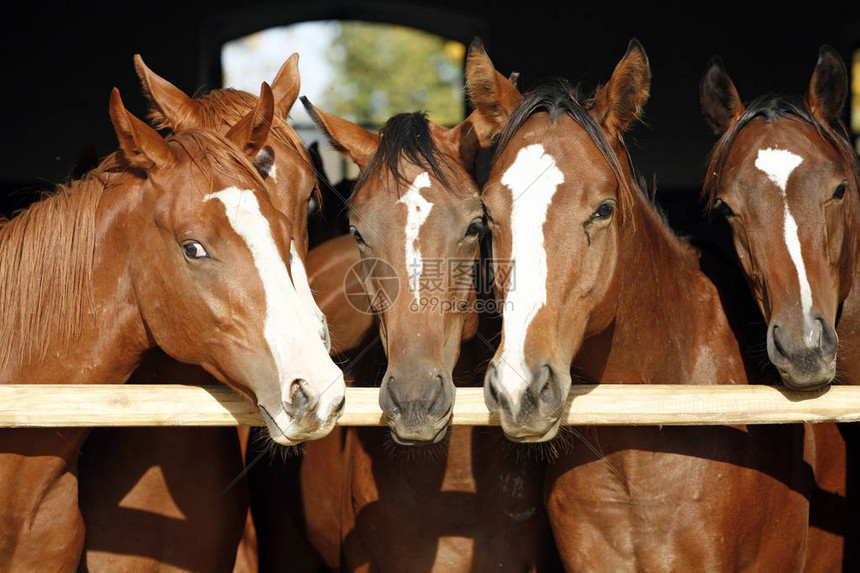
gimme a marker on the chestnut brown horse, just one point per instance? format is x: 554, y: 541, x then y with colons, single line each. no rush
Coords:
x: 160, y: 245
x: 159, y: 477
x: 785, y: 177
x: 603, y: 289
x: 372, y: 503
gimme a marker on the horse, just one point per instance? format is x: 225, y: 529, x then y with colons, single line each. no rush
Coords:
x: 418, y: 495
x: 161, y: 245
x: 785, y: 177
x: 603, y: 292
x: 156, y: 477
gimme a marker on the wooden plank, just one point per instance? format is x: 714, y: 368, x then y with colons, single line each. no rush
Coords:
x: 33, y: 405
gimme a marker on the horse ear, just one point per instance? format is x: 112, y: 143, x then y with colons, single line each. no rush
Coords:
x: 142, y: 146
x: 286, y: 86
x: 170, y: 107
x: 828, y: 87
x: 493, y: 96
x: 721, y: 104
x: 350, y: 139
x: 461, y: 142
x: 252, y: 131
x: 620, y: 102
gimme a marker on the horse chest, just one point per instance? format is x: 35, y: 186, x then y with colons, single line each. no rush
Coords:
x: 453, y: 508
x: 410, y: 478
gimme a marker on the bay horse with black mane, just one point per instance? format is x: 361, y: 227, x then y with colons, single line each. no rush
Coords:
x: 160, y: 245
x: 146, y: 493
x: 785, y: 176
x: 378, y: 499
x: 605, y: 293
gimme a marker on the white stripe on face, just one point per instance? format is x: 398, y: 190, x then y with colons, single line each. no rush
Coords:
x: 291, y: 330
x: 303, y: 288
x: 417, y: 210
x: 778, y: 164
x: 533, y: 172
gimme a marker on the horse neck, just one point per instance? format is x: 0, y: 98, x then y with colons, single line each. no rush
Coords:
x: 848, y: 324
x: 668, y: 316
x: 63, y: 320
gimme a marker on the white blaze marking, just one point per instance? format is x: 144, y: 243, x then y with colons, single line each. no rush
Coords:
x: 290, y: 329
x: 534, y: 172
x: 417, y: 211
x: 303, y: 288
x: 778, y: 164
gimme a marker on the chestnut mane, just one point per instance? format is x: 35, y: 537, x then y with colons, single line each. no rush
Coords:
x: 47, y: 251
x: 228, y: 106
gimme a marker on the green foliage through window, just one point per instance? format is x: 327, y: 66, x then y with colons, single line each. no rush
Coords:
x: 363, y: 71
x: 381, y: 70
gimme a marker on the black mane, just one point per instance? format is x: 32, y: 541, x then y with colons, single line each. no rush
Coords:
x: 406, y: 136
x: 558, y: 98
x: 771, y: 108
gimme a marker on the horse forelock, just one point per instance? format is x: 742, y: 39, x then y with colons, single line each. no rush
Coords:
x: 558, y: 98
x: 226, y: 106
x: 211, y: 154
x: 406, y: 138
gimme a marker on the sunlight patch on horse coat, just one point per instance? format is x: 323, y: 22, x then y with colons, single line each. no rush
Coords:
x: 778, y: 164
x: 417, y: 210
x: 138, y: 498
x: 535, y: 173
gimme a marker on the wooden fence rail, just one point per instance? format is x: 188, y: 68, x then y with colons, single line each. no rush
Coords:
x: 36, y: 405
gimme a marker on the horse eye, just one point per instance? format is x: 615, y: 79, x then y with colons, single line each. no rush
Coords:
x: 358, y: 238
x: 603, y: 211
x: 313, y: 205
x: 840, y: 192
x: 723, y: 209
x: 476, y: 227
x: 194, y: 250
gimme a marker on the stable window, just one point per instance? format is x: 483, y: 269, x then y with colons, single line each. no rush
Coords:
x: 362, y: 71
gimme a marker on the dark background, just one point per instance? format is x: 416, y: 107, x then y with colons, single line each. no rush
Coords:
x: 60, y: 61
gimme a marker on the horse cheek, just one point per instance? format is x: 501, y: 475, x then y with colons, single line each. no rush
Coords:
x: 835, y: 231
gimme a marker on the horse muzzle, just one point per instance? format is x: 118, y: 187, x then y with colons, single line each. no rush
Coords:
x: 530, y: 407
x: 804, y: 355
x: 418, y: 408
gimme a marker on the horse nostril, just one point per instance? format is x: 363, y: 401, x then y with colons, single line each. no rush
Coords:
x: 775, y: 337
x: 298, y: 394
x: 339, y: 407
x: 491, y: 395
x: 828, y: 340
x: 547, y: 391
x: 438, y: 392
x: 388, y: 394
